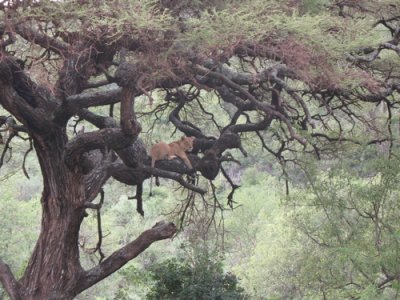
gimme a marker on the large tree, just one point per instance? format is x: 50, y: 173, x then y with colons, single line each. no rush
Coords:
x: 290, y: 75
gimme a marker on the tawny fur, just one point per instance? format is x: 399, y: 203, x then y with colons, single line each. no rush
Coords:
x: 170, y: 151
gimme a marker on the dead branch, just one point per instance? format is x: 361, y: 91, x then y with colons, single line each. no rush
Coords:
x: 234, y: 187
x: 25, y: 156
x: 99, y: 231
x: 7, y: 147
x: 139, y: 198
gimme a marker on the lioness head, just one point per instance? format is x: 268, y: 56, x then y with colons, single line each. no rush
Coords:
x: 187, y: 143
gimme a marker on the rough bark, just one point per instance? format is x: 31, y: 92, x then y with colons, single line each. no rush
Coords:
x: 54, y: 270
x: 54, y: 266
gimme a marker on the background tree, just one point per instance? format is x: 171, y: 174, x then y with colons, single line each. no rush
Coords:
x: 282, y: 75
x: 336, y: 237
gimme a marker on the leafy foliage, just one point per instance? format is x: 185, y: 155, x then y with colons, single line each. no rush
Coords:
x: 196, y: 276
x: 335, y: 238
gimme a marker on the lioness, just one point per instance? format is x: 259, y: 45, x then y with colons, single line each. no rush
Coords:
x: 170, y: 151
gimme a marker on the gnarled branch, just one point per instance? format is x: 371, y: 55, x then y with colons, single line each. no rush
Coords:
x: 119, y: 258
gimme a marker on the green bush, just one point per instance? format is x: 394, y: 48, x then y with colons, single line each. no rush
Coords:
x: 196, y: 276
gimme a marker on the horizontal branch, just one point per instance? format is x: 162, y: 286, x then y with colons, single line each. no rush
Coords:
x: 161, y: 231
x: 77, y: 102
x: 370, y: 54
x: 174, y: 176
x: 343, y: 139
x: 391, y: 47
x: 251, y: 127
x: 97, y: 120
x: 171, y: 169
x: 130, y: 176
x: 390, y: 87
x: 243, y: 78
x: 110, y: 138
x: 97, y: 84
x: 86, y: 100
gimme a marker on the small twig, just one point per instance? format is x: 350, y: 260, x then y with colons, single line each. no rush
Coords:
x: 111, y: 111
x: 139, y: 198
x: 98, y: 246
x: 189, y: 203
x: 7, y: 147
x: 25, y: 156
x: 234, y: 187
x: 76, y: 122
x: 214, y: 207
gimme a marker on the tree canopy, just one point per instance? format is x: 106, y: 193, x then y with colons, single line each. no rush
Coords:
x: 79, y: 79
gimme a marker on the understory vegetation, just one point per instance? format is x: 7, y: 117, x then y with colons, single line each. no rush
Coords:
x: 335, y: 234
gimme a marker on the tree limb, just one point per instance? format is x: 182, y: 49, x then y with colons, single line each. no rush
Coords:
x: 97, y: 120
x: 9, y: 282
x: 74, y: 103
x: 20, y: 97
x: 267, y: 108
x: 110, y: 138
x: 119, y: 258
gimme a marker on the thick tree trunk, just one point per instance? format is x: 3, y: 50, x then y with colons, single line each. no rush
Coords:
x: 54, y: 268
